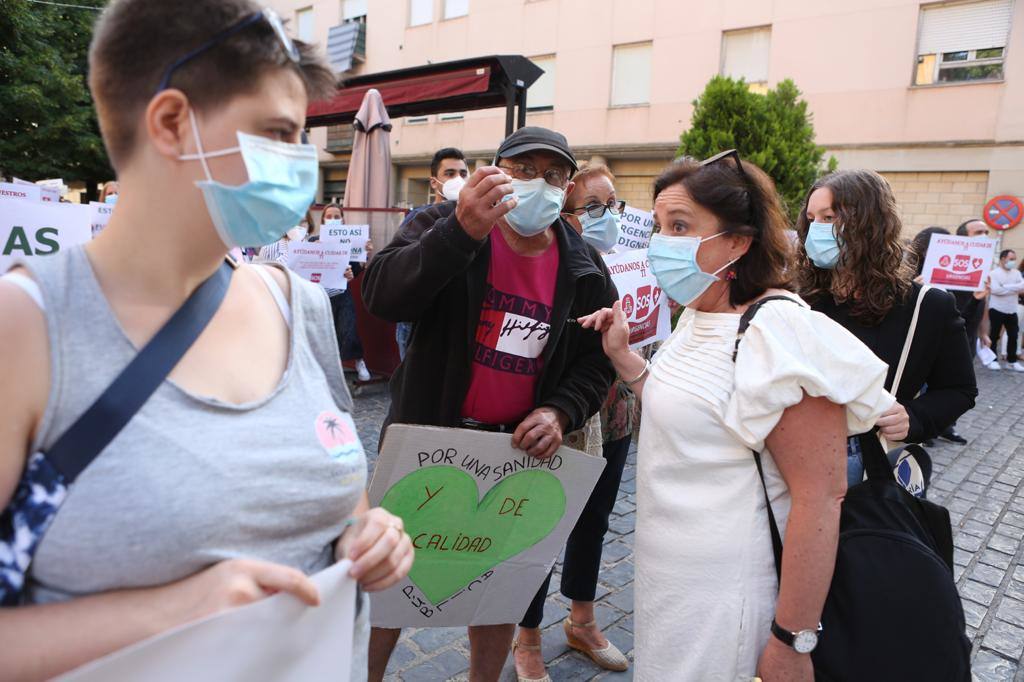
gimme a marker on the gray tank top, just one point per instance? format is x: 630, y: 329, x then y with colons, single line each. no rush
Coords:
x: 191, y: 480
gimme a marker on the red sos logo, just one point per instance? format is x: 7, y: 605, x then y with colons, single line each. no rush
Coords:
x: 627, y: 306
x: 315, y: 277
x: 647, y: 298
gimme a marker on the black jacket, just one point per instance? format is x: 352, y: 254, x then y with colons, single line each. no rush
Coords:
x: 435, y: 275
x: 939, y: 357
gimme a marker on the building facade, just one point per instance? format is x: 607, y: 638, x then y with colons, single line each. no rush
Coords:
x: 929, y: 94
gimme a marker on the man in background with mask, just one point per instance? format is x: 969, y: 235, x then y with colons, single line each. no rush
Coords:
x: 448, y: 173
x: 493, y: 283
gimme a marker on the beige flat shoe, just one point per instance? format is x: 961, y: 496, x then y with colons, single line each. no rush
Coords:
x: 527, y: 647
x: 609, y: 658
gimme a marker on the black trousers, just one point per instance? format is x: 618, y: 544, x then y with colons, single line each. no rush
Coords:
x: 999, y: 321
x: 583, y: 549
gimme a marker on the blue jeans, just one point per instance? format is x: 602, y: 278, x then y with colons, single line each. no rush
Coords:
x: 854, y: 463
x: 403, y: 330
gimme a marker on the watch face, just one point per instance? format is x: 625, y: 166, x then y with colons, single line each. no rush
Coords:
x: 805, y: 641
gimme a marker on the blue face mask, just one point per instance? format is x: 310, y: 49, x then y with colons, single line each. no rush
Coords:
x: 539, y: 206
x: 822, y: 245
x: 601, y: 233
x: 281, y: 187
x: 674, y: 264
x: 110, y: 199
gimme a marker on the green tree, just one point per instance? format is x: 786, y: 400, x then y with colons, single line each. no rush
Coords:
x: 47, y: 123
x: 772, y: 130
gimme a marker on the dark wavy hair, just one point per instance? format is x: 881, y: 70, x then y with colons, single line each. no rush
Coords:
x: 872, y: 274
x: 745, y: 204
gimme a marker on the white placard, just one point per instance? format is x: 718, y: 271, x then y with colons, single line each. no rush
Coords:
x: 487, y: 522
x: 35, y: 228
x: 643, y: 301
x: 21, y: 190
x: 320, y: 263
x: 49, y: 190
x: 277, y: 638
x: 636, y: 228
x: 352, y: 236
x: 960, y: 263
x: 101, y: 213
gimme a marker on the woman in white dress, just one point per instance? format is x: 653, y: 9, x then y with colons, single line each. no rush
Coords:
x: 707, y: 598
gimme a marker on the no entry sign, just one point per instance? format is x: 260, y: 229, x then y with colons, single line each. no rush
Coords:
x: 1004, y: 212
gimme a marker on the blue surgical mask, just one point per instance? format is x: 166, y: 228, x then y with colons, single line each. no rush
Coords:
x: 674, y: 264
x: 539, y: 206
x: 110, y: 199
x: 601, y: 233
x: 281, y: 186
x: 822, y: 245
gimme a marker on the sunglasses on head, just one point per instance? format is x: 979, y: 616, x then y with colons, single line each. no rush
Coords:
x: 268, y: 15
x: 747, y: 180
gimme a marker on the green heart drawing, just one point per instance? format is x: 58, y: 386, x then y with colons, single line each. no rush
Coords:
x: 457, y: 539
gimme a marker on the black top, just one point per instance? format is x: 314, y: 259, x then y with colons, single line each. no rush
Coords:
x: 939, y: 357
x: 434, y: 274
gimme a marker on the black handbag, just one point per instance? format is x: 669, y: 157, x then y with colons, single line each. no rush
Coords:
x: 892, y: 611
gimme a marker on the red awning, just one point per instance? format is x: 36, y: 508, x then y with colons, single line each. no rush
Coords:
x: 470, y: 81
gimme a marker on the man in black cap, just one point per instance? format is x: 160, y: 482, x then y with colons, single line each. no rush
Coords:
x: 493, y: 284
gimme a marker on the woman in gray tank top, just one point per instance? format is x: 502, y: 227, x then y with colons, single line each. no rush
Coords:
x: 243, y: 473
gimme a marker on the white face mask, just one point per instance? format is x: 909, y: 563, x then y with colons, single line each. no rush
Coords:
x: 451, y: 188
x: 298, y: 233
x: 1010, y: 264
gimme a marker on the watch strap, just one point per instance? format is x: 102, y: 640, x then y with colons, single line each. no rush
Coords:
x: 782, y: 634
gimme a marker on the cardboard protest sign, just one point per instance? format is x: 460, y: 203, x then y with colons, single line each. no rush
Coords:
x: 636, y: 228
x: 33, y: 228
x: 960, y: 263
x: 277, y: 638
x: 320, y: 263
x: 100, y: 216
x: 487, y: 522
x: 49, y: 190
x: 353, y: 237
x: 21, y: 190
x: 643, y: 301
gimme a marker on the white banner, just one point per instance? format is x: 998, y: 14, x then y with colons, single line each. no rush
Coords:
x: 278, y: 638
x: 35, y: 228
x: 354, y: 237
x: 637, y: 226
x: 643, y: 301
x: 960, y: 263
x: 21, y: 190
x: 100, y: 216
x: 49, y: 190
x: 487, y: 522
x: 320, y: 263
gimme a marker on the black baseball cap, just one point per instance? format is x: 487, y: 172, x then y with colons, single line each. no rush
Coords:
x: 533, y: 138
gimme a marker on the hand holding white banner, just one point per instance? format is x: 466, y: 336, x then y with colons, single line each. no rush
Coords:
x: 352, y: 237
x: 643, y: 301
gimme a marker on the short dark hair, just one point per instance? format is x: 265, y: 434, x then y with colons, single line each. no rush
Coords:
x: 136, y: 40
x: 919, y: 244
x: 961, y: 231
x: 1006, y: 252
x: 442, y: 154
x: 744, y: 205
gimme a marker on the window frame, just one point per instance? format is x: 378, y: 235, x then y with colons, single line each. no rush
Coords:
x: 299, y: 13
x: 530, y: 109
x: 433, y: 8
x: 760, y: 84
x: 611, y: 86
x: 444, y: 11
x: 938, y: 61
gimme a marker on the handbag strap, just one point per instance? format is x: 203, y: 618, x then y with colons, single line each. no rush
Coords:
x: 909, y: 340
x: 745, y: 321
x: 124, y: 397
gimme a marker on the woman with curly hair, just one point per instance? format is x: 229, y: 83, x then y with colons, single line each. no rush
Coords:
x: 853, y: 268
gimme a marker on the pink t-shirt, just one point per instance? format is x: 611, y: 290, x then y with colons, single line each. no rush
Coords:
x: 515, y: 322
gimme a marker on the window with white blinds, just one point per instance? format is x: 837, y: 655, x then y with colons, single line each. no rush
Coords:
x: 455, y: 8
x: 541, y: 95
x: 962, y: 42
x: 304, y: 24
x: 421, y: 12
x: 353, y: 9
x: 745, y: 54
x: 631, y: 74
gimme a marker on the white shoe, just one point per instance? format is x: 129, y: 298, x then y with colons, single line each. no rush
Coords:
x: 994, y: 365
x: 364, y: 374
x: 1017, y: 367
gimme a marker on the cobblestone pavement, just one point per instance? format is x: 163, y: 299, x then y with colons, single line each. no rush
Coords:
x: 981, y: 483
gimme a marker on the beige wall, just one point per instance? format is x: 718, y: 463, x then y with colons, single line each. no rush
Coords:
x: 943, y: 199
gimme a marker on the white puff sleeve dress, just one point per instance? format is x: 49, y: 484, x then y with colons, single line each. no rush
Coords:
x: 705, y: 574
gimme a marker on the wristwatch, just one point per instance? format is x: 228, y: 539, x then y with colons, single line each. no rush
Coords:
x: 802, y: 642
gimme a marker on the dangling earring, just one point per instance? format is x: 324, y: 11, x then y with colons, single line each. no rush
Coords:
x: 730, y: 276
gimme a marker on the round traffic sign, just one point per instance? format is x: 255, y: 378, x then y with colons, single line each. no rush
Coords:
x: 1003, y: 212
